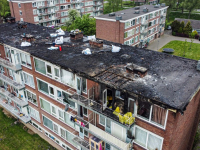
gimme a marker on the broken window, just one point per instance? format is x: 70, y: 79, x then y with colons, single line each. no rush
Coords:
x: 144, y: 109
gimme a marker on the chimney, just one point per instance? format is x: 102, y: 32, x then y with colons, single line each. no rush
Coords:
x: 76, y: 35
x: 96, y: 43
x: 10, y: 20
x: 135, y: 69
x: 198, y: 65
x: 22, y: 24
x: 28, y: 37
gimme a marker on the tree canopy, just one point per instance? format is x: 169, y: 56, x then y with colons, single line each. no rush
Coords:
x: 85, y: 24
x: 4, y: 8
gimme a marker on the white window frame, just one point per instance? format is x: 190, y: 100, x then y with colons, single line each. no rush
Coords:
x: 148, y: 132
x: 26, y: 79
x: 19, y: 5
x: 31, y: 97
x: 151, y: 122
x: 33, y: 115
x: 20, y: 12
x: 100, y: 119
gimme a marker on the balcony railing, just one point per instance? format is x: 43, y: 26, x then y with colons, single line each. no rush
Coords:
x: 144, y: 31
x: 91, y: 104
x: 144, y: 23
x: 81, y: 142
x: 47, y: 20
x: 13, y: 98
x: 77, y: 1
x: 11, y: 82
x: 9, y: 65
x: 46, y: 13
x: 14, y: 111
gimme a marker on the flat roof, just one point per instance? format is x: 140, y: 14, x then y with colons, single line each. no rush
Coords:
x: 171, y: 81
x: 130, y: 13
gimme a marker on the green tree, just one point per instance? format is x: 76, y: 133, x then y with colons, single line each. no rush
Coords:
x: 4, y: 8
x: 85, y: 24
x: 188, y: 28
x: 175, y: 26
x: 190, y: 5
x: 72, y: 14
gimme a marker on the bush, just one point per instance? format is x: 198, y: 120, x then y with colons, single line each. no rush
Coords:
x: 196, y: 139
x: 175, y: 25
x: 180, y: 30
x: 174, y: 33
x: 188, y: 28
x: 196, y: 37
x: 195, y: 32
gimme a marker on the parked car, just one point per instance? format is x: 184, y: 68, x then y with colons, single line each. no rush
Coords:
x: 169, y: 28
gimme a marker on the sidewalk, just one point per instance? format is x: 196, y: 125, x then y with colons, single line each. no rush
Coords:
x: 166, y: 38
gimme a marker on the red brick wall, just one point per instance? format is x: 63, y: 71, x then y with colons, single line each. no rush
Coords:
x: 27, y: 11
x: 110, y: 30
x: 180, y: 129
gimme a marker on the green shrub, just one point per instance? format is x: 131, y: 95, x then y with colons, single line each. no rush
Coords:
x: 195, y: 32
x: 180, y: 30
x: 196, y: 139
x: 174, y: 33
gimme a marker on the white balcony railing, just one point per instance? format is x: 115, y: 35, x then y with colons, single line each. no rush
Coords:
x: 14, y: 111
x: 11, y: 82
x: 15, y: 99
x: 9, y: 65
x: 144, y: 22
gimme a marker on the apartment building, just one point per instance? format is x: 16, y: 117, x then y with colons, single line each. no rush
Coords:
x: 52, y: 12
x: 132, y: 99
x: 135, y: 26
x: 141, y: 2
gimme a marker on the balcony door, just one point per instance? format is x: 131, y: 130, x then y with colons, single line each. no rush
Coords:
x: 108, y: 125
x: 81, y: 133
x: 79, y: 85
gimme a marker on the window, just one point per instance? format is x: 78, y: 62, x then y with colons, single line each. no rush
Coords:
x: 68, y: 78
x: 55, y: 128
x: 25, y: 60
x: 51, y: 91
x: 69, y: 138
x: 61, y: 115
x: 53, y: 110
x: 84, y: 85
x: 136, y: 39
x: 40, y: 66
x: 85, y: 111
x: 127, y: 24
x: 48, y: 123
x: 20, y: 12
x: 152, y: 113
x: 19, y: 5
x: 101, y: 120
x: 29, y: 80
x: 31, y: 97
x: 133, y: 22
x: 45, y: 105
x: 49, y: 73
x: 34, y: 113
x: 85, y: 133
x: 57, y: 73
x: 67, y: 120
x: 148, y: 139
x: 42, y: 86
x: 62, y: 133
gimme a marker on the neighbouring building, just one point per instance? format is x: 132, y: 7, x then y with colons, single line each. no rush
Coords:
x: 52, y: 12
x: 194, y: 23
x: 135, y: 26
x: 141, y: 2
x: 132, y: 99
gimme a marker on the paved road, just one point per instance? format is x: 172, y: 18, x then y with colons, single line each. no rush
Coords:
x: 166, y: 38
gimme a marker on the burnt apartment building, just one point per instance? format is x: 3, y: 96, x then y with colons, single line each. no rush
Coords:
x: 136, y: 26
x: 52, y: 12
x: 108, y: 100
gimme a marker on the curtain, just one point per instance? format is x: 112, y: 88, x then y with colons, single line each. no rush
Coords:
x: 154, y: 143
x: 45, y: 105
x: 158, y: 115
x: 40, y: 66
x: 140, y: 136
x: 48, y: 122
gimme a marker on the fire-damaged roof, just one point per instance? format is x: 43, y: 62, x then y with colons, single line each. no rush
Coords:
x: 170, y: 80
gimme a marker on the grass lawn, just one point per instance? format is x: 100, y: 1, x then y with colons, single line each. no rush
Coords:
x: 14, y: 137
x: 178, y: 46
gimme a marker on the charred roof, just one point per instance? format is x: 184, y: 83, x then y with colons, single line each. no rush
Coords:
x: 170, y: 80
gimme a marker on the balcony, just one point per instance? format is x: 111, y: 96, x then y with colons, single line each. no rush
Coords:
x: 9, y: 65
x: 108, y: 138
x: 77, y: 1
x: 96, y: 10
x: 82, y: 143
x: 93, y: 105
x: 47, y: 20
x: 144, y: 23
x: 144, y: 31
x: 14, y: 111
x: 13, y: 98
x: 46, y: 13
x: 78, y: 7
x: 97, y: 4
x: 11, y: 82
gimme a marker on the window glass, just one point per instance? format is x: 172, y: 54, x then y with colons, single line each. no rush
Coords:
x: 48, y: 122
x: 144, y: 109
x: 140, y: 136
x: 51, y: 90
x: 45, y: 105
x: 53, y: 109
x: 85, y: 133
x: 57, y: 74
x: 154, y: 142
x: 84, y: 85
x: 62, y: 132
x: 43, y: 86
x: 40, y: 66
x: 49, y: 69
x: 85, y: 111
x: 61, y: 114
x: 158, y: 115
x: 55, y: 128
x: 102, y: 120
